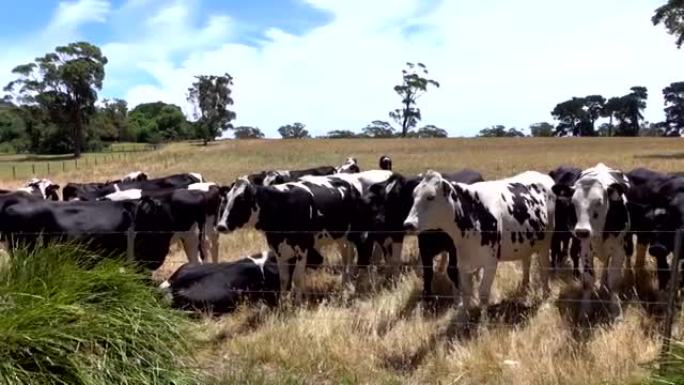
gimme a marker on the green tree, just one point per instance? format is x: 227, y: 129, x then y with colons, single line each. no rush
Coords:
x: 672, y: 16
x: 593, y: 105
x: 64, y: 83
x: 500, y: 131
x: 431, y: 131
x: 157, y: 122
x: 341, y: 134
x: 378, y: 129
x: 542, y: 129
x: 293, y: 131
x: 211, y: 96
x: 611, y: 110
x: 630, y: 113
x: 573, y: 118
x: 414, y: 85
x: 247, y: 132
x: 674, y: 109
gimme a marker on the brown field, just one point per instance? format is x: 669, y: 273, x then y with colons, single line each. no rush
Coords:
x: 387, y: 337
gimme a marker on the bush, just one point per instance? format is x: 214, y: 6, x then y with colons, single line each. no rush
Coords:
x: 61, y: 323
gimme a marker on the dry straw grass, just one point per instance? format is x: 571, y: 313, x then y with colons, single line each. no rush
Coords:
x: 388, y: 337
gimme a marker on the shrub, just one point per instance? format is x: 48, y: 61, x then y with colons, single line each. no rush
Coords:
x: 61, y: 323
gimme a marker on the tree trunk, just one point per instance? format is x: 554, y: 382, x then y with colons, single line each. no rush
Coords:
x: 78, y: 135
x: 610, y: 125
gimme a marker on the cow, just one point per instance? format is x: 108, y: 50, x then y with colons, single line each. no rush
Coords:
x: 138, y: 229
x: 284, y: 176
x: 389, y: 204
x: 190, y: 213
x: 601, y: 224
x: 135, y: 176
x: 643, y: 193
x: 562, y: 240
x: 42, y: 187
x: 350, y: 166
x: 92, y: 191
x: 385, y: 163
x: 218, y: 288
x: 298, y: 218
x: 488, y: 222
x: 667, y: 216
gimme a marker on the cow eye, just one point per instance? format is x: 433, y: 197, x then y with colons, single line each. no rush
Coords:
x: 595, y: 215
x: 431, y: 197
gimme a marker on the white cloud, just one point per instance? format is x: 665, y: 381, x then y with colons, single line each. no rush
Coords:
x: 72, y: 14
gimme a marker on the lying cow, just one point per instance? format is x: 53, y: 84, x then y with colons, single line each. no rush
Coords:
x: 219, y: 288
x: 274, y: 177
x: 562, y: 240
x: 298, y: 218
x: 667, y: 216
x: 135, y: 176
x: 389, y: 204
x: 602, y: 223
x: 43, y: 188
x: 191, y: 215
x: 92, y: 191
x: 488, y: 222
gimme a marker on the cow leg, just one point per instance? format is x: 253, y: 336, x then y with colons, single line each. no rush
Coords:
x: 663, y: 272
x: 191, y: 243
x: 488, y: 274
x: 526, y: 262
x: 395, y: 258
x: 574, y: 255
x: 347, y: 254
x: 557, y: 248
x: 543, y: 260
x: 640, y: 260
x: 299, y: 273
x: 615, y: 266
x: 284, y: 256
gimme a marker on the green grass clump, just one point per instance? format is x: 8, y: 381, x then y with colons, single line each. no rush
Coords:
x: 63, y: 323
x: 671, y: 368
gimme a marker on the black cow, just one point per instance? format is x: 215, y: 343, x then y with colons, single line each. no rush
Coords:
x: 92, y: 191
x: 298, y: 218
x: 190, y: 213
x: 666, y: 215
x: 562, y: 239
x: 284, y: 176
x: 219, y: 288
x: 42, y: 188
x: 389, y: 203
x: 102, y: 226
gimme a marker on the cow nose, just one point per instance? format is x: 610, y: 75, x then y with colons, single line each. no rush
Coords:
x: 658, y: 251
x: 222, y: 228
x: 410, y: 226
x: 582, y: 233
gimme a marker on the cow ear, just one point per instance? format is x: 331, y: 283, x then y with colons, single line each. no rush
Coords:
x: 223, y: 190
x: 615, y: 191
x: 562, y: 190
x: 446, y: 188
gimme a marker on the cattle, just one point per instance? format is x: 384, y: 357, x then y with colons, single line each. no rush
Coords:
x: 190, y: 215
x: 667, y: 216
x: 138, y: 229
x: 218, y: 288
x: 298, y: 218
x: 43, y: 188
x: 643, y: 193
x: 283, y: 176
x: 92, y: 191
x: 562, y: 240
x: 389, y: 204
x: 385, y: 163
x: 350, y: 166
x: 488, y: 222
x: 602, y: 223
x: 135, y: 176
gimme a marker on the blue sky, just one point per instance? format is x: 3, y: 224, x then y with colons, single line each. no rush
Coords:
x: 331, y: 64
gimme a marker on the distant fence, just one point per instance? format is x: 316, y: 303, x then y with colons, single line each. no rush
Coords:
x: 23, y: 169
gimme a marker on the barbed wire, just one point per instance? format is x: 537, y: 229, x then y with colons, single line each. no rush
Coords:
x: 336, y: 232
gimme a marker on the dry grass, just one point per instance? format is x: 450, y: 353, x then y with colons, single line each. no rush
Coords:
x: 388, y: 337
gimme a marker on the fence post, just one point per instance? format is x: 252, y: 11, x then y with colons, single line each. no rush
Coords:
x: 672, y: 293
x: 14, y: 172
x: 33, y: 168
x: 48, y: 168
x: 63, y: 166
x: 130, y: 244
x: 76, y: 164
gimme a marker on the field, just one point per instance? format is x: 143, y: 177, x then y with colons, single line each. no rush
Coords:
x: 387, y: 336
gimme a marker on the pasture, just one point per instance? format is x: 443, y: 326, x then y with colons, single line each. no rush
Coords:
x: 387, y: 336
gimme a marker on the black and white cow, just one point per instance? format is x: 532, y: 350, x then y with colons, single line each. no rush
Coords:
x: 602, y: 223
x: 643, y: 194
x: 389, y: 204
x: 488, y: 222
x: 284, y: 176
x: 350, y: 166
x: 218, y: 288
x: 137, y: 229
x: 298, y: 218
x: 563, y: 240
x: 42, y: 187
x: 135, y: 176
x: 190, y: 214
x: 92, y: 191
x: 667, y: 216
x: 385, y: 163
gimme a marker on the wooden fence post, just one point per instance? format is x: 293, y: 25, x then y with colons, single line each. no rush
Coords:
x: 48, y: 168
x: 33, y: 168
x: 673, y: 290
x: 14, y: 172
x: 63, y: 166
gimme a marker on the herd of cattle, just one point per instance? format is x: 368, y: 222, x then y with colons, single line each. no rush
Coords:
x: 588, y: 213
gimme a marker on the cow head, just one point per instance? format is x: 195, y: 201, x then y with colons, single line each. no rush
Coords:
x: 389, y: 202
x: 666, y: 219
x: 240, y: 208
x: 350, y: 166
x: 385, y: 163
x: 432, y: 204
x: 273, y: 178
x: 598, y: 190
x: 43, y: 187
x: 135, y: 176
